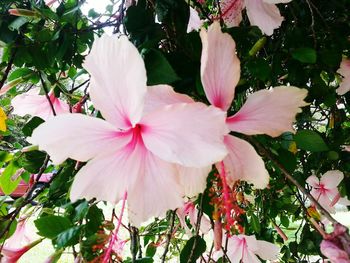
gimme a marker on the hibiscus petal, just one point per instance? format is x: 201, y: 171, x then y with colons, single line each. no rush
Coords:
x: 235, y: 249
x: 332, y: 179
x: 161, y: 95
x: 31, y: 103
x: 77, y: 136
x: 156, y: 191
x: 264, y: 15
x: 243, y: 163
x: 118, y: 80
x: 344, y: 70
x: 267, y: 250
x: 313, y: 181
x: 108, y: 176
x: 231, y: 11
x: 270, y: 112
x: 193, y: 180
x: 187, y: 134
x: 195, y: 21
x: 220, y: 66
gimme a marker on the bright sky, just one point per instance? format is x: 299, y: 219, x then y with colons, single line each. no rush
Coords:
x: 98, y: 5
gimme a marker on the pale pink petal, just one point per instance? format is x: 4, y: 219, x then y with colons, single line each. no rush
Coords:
x: 161, y: 95
x: 205, y: 224
x: 77, y: 136
x: 344, y: 70
x: 325, y: 202
x: 220, y: 66
x: 313, y: 181
x: 182, y: 213
x: 270, y: 112
x: 243, y: 163
x: 108, y: 176
x: 187, y: 134
x: 195, y: 22
x: 231, y: 11
x: 249, y: 257
x: 264, y: 15
x: 332, y: 179
x: 118, y: 80
x: 193, y: 180
x: 155, y: 192
x: 267, y: 250
x: 235, y: 248
x: 31, y: 103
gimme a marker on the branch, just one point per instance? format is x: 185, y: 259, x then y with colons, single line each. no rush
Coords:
x: 8, y: 68
x: 47, y: 94
x: 270, y: 156
x: 169, y: 235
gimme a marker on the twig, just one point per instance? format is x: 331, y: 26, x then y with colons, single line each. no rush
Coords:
x: 47, y: 94
x: 269, y: 155
x: 169, y: 235
x: 8, y: 68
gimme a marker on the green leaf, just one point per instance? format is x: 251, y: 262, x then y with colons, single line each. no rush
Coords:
x: 310, y: 141
x: 284, y: 220
x: 17, y: 23
x: 29, y: 127
x: 151, y: 250
x: 259, y: 68
x: 8, y: 180
x: 68, y: 237
x: 32, y: 161
x: 81, y: 211
x: 20, y: 72
x: 193, y: 249
x: 94, y: 220
x: 305, y: 55
x: 159, y: 70
x: 255, y: 223
x: 51, y: 226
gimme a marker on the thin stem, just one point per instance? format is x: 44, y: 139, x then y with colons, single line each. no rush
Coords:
x: 47, y: 94
x: 169, y: 235
x: 269, y: 155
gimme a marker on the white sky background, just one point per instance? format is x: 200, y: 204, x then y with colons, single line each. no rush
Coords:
x: 98, y: 5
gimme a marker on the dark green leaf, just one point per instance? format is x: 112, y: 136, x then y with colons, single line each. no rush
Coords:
x: 159, y: 71
x: 305, y: 55
x: 32, y: 161
x: 51, y: 226
x: 310, y: 141
x: 31, y: 125
x: 193, y: 249
x: 68, y: 237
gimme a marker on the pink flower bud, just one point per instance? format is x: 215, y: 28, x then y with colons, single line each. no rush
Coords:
x: 23, y: 12
x: 12, y: 255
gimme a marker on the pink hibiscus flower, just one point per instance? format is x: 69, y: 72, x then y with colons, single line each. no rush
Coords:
x: 191, y: 211
x: 344, y: 70
x: 242, y: 248
x: 270, y: 112
x: 261, y: 13
x: 32, y: 103
x: 18, y: 244
x: 137, y: 148
x: 325, y: 190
